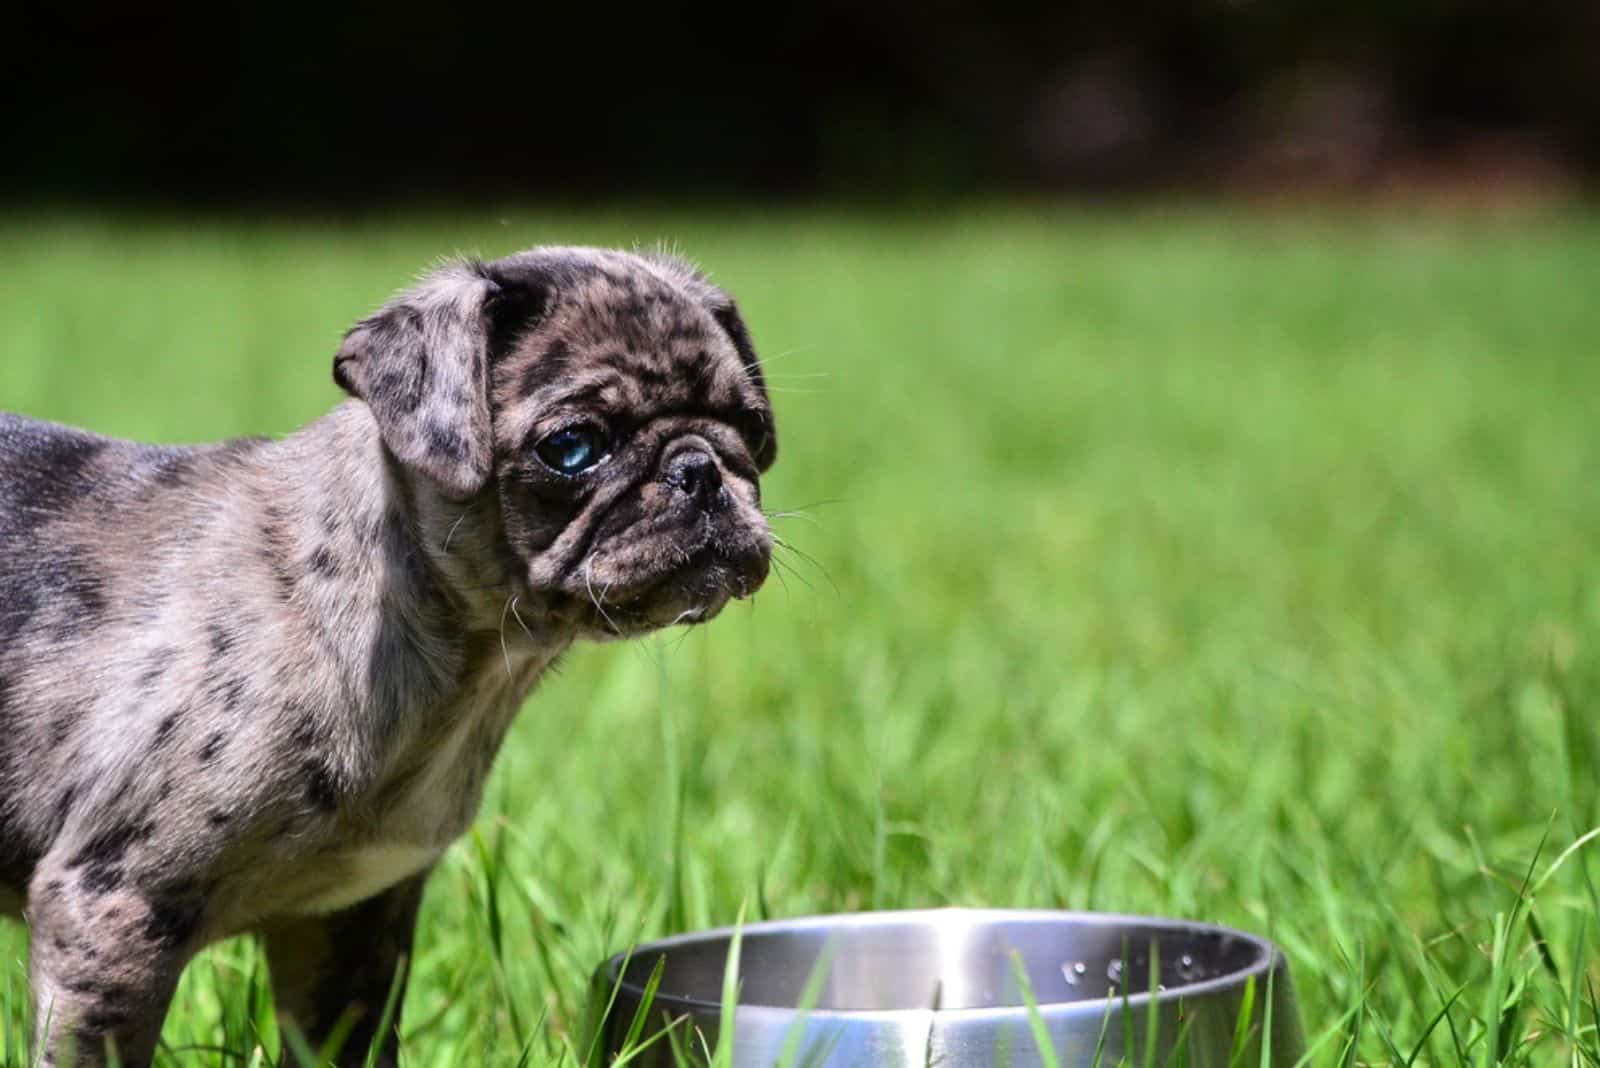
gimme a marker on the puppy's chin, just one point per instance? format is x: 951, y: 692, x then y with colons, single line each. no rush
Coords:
x: 629, y: 589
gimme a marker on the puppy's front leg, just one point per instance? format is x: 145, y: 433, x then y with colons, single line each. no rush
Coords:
x: 107, y: 950
x: 323, y: 966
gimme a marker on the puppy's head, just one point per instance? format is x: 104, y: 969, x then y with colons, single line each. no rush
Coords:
x: 613, y: 407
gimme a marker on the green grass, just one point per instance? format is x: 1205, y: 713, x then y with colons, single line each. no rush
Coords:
x: 1186, y: 562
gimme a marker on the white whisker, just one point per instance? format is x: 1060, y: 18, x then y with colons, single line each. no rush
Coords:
x: 588, y: 584
x: 788, y: 594
x: 779, y: 567
x: 767, y: 361
x: 520, y: 623
x: 503, y: 650
x: 805, y: 556
x: 452, y: 533
x: 807, y: 516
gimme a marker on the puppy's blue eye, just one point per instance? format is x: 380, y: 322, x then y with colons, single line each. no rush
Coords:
x: 575, y: 449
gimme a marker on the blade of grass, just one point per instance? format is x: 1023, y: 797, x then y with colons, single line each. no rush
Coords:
x: 391, y: 1006
x: 604, y: 1020
x: 1243, y: 1024
x: 1266, y: 1020
x: 1036, y: 1024
x: 1562, y: 858
x: 333, y: 1045
x: 1124, y: 984
x: 491, y: 893
x: 37, y: 1058
x: 642, y: 1048
x: 1494, y: 996
x: 1179, y: 1057
x: 1353, y: 1047
x: 1152, y: 1020
x: 810, y: 994
x: 1105, y: 1030
x: 646, y: 1000
x: 1427, y: 1032
x: 1328, y: 1035
x: 1574, y: 1020
x: 727, y: 1018
x: 295, y: 1044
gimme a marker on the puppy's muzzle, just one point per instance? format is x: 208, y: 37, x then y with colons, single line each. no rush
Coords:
x: 691, y: 538
x: 694, y: 473
x: 735, y: 558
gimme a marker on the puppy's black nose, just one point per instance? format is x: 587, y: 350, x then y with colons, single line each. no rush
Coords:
x: 695, y: 473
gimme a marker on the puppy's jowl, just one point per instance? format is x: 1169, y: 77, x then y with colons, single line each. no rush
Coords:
x: 257, y: 686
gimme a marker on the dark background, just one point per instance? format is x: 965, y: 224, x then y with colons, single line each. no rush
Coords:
x: 406, y: 101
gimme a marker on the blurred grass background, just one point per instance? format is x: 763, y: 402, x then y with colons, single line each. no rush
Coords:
x: 1235, y: 566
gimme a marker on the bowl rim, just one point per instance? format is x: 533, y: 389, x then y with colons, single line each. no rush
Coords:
x: 1268, y: 963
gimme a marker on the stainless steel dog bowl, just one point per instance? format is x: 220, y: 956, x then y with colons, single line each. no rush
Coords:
x: 940, y: 988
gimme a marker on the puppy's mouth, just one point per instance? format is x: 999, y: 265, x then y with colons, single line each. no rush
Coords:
x: 635, y: 589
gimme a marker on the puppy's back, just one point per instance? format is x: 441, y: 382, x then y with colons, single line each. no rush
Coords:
x: 84, y: 522
x: 47, y: 472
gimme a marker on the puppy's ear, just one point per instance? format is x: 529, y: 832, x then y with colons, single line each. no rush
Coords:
x: 762, y: 432
x: 421, y: 364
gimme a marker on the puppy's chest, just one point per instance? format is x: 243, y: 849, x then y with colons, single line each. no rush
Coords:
x: 432, y: 794
x: 428, y: 799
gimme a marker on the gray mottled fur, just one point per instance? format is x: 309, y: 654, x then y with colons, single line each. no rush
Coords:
x: 257, y: 686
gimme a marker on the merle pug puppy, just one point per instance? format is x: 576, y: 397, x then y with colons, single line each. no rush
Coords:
x: 257, y: 686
